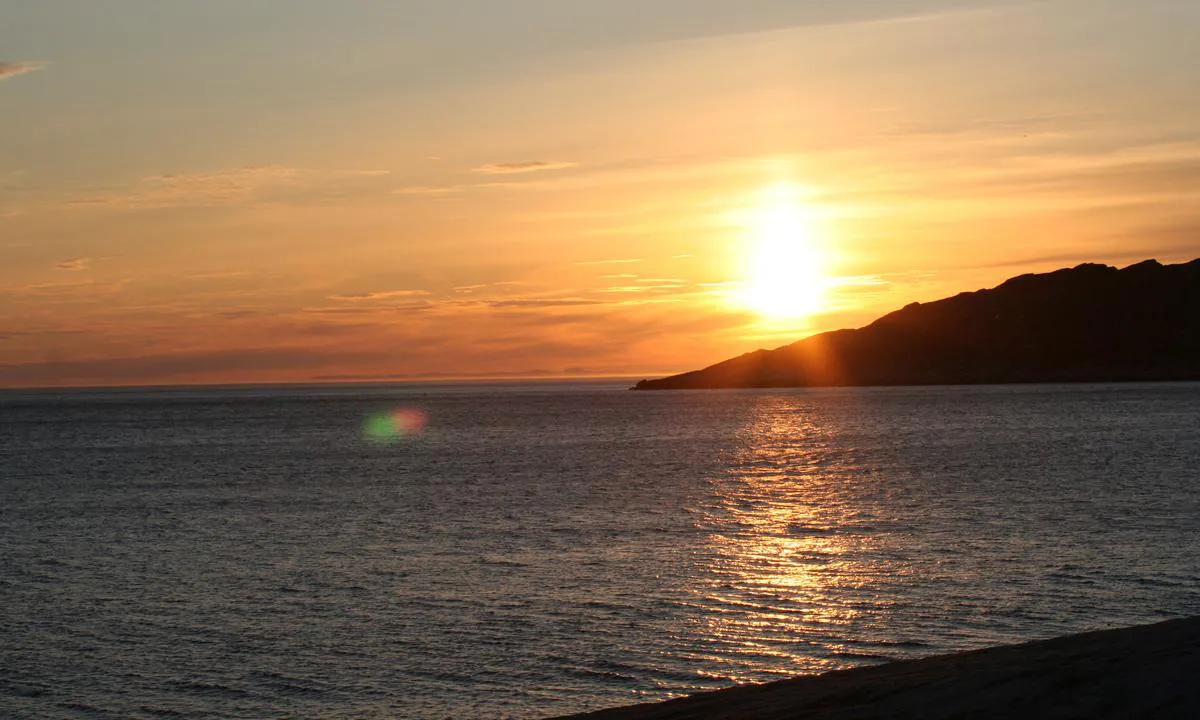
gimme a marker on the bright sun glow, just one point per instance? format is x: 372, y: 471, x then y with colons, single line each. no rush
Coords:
x: 786, y: 274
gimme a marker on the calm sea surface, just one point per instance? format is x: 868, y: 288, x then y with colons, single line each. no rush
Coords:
x: 545, y: 548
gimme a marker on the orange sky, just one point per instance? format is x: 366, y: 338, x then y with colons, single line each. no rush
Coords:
x: 223, y: 192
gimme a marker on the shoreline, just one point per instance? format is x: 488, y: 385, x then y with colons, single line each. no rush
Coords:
x: 1148, y: 671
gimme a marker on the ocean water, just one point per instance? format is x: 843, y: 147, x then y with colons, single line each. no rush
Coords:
x: 547, y: 548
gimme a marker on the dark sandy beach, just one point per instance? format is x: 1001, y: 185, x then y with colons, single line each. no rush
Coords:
x: 1151, y: 671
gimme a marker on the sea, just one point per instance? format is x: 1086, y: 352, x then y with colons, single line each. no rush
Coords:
x: 521, y: 550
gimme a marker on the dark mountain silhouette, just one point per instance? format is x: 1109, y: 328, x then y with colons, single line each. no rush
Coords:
x: 1091, y: 323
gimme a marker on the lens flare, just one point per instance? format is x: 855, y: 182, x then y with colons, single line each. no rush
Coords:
x: 391, y: 427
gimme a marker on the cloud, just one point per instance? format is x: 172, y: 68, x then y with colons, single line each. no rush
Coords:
x: 200, y: 188
x: 71, y: 291
x: 517, y: 168
x: 13, y: 69
x: 644, y: 171
x: 572, y: 27
x: 1186, y: 249
x: 75, y: 264
x: 253, y: 184
x: 667, y: 288
x: 175, y: 367
x: 637, y: 172
x: 489, y: 335
x: 543, y: 303
x: 624, y: 261
x: 383, y: 295
x: 428, y: 190
x: 1174, y: 176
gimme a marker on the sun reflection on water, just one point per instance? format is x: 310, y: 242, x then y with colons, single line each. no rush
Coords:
x: 791, y: 552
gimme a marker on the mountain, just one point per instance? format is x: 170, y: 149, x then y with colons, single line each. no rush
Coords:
x: 1091, y: 323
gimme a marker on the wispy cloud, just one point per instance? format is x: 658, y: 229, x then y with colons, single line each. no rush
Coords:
x: 199, y: 188
x: 517, y: 168
x: 542, y: 302
x: 72, y: 290
x: 13, y: 69
x: 183, y: 365
x: 253, y: 184
x: 530, y: 176
x: 625, y: 22
x: 383, y: 295
x: 658, y: 288
x: 74, y: 264
x: 622, y: 261
x: 428, y: 190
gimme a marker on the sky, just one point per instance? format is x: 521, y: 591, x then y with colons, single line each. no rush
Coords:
x: 212, y: 191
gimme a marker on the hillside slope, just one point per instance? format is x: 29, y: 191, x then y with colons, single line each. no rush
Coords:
x: 1091, y: 323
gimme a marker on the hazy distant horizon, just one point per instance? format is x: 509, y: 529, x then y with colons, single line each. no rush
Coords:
x: 405, y: 381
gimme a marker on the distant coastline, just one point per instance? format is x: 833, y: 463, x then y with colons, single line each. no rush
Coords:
x: 1090, y: 323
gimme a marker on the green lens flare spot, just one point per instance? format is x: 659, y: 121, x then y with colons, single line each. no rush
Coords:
x: 392, y: 427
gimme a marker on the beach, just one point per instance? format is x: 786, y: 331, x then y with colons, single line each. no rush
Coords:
x: 1150, y: 671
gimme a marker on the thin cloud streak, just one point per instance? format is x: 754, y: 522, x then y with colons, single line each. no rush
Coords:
x: 427, y: 190
x: 383, y: 295
x: 626, y: 261
x: 74, y: 264
x: 520, y: 168
x: 250, y: 184
x: 13, y: 69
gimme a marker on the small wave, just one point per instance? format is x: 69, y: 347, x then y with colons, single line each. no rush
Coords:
x: 503, y: 562
x: 859, y: 656
x: 288, y: 685
x: 811, y: 559
x: 161, y: 712
x: 25, y: 690
x: 200, y: 687
x: 607, y: 676
x: 378, y: 572
x: 1164, y: 581
x: 802, y: 529
x: 80, y: 707
x: 864, y: 529
x: 902, y: 644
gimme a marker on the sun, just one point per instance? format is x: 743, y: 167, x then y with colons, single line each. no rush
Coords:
x: 785, y: 274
